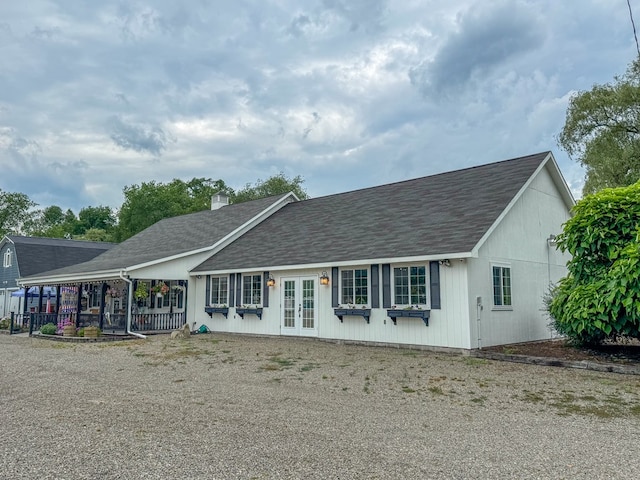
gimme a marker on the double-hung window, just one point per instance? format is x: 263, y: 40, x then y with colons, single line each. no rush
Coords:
x: 501, y: 286
x: 219, y: 290
x: 410, y: 285
x: 252, y: 289
x: 355, y: 286
x: 6, y: 259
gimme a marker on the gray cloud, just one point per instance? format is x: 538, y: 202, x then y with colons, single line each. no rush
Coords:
x: 488, y: 35
x: 139, y: 138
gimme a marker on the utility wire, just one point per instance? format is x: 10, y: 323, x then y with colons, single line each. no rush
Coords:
x: 635, y: 35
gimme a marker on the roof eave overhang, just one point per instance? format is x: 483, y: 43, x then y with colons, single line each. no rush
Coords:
x: 325, y: 265
x: 71, y: 278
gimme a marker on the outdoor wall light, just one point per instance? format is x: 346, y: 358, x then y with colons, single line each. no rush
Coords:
x: 551, y: 241
x: 445, y: 262
x: 324, y: 279
x: 271, y: 282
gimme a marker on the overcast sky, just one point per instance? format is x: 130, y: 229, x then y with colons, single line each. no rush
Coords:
x: 95, y: 96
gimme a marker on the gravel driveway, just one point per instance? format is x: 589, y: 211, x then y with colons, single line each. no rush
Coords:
x: 226, y: 407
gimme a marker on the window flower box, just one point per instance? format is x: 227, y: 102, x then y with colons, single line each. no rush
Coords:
x: 353, y: 312
x: 409, y: 313
x: 221, y: 310
x: 242, y: 311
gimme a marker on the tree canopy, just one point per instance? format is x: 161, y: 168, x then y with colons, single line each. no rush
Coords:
x: 275, y: 185
x: 599, y: 299
x: 15, y: 212
x: 602, y: 131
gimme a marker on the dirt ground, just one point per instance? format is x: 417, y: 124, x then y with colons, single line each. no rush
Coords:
x: 618, y: 352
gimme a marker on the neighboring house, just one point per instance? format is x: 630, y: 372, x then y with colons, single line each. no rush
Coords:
x: 457, y: 260
x: 25, y: 256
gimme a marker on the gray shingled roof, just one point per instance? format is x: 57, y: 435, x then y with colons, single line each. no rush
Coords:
x: 440, y: 214
x: 173, y: 236
x: 36, y: 255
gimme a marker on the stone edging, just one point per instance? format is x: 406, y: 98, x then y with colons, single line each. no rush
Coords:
x: 557, y: 362
x: 101, y: 339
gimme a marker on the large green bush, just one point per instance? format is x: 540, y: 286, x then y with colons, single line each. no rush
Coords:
x: 48, y: 329
x: 600, y: 297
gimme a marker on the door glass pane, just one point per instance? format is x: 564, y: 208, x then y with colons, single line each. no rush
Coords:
x: 308, y: 304
x: 289, y: 303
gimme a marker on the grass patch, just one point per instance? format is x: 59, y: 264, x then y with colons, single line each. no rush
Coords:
x: 436, y: 390
x: 474, y: 362
x: 406, y: 389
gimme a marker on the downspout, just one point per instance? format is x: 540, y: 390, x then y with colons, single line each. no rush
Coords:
x: 129, y: 305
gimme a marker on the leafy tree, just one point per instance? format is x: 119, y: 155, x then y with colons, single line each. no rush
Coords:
x: 101, y: 218
x: 147, y: 203
x: 599, y: 299
x: 602, y: 131
x: 275, y: 185
x: 15, y: 212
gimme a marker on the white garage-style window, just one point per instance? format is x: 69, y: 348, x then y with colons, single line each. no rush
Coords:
x: 354, y: 286
x: 6, y: 259
x: 410, y: 285
x: 219, y: 290
x: 501, y: 286
x: 252, y: 289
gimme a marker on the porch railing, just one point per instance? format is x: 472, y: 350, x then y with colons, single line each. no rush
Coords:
x: 157, y: 322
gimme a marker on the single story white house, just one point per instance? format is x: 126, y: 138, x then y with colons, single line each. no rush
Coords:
x: 457, y: 260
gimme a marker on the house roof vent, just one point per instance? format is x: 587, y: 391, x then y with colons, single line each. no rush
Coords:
x: 219, y: 200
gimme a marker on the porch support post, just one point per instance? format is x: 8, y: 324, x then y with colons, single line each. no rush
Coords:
x: 26, y: 300
x: 40, y: 290
x: 58, y: 296
x: 78, y: 305
x: 185, y: 283
x: 103, y: 290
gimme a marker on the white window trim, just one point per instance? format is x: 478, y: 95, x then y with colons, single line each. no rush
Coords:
x: 261, y: 293
x: 226, y: 300
x: 340, y: 291
x: 6, y: 261
x: 493, y: 305
x: 425, y: 306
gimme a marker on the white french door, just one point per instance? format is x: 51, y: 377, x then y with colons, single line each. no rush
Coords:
x: 299, y: 306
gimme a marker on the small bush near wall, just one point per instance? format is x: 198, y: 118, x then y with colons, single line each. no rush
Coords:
x: 5, y: 323
x: 48, y: 329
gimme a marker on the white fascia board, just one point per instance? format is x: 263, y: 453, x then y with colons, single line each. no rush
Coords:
x: 230, y: 237
x: 70, y: 278
x: 329, y: 264
x: 561, y: 183
x: 487, y: 234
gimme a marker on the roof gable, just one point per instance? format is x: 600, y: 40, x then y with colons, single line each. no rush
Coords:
x: 436, y: 215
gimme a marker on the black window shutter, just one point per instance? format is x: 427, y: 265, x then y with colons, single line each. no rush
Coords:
x: 386, y: 285
x: 375, y: 286
x: 434, y: 281
x: 232, y: 289
x: 334, y: 287
x: 207, y: 295
x: 265, y: 289
x: 239, y: 290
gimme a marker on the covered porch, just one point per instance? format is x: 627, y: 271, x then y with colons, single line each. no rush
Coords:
x: 116, y: 306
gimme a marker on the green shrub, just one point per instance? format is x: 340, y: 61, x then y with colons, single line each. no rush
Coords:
x: 80, y: 332
x: 48, y: 329
x: 600, y: 297
x: 5, y: 323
